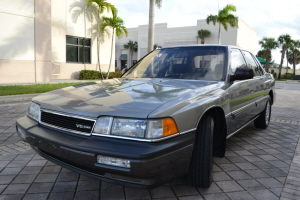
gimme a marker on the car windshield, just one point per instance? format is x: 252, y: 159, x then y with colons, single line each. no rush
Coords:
x: 197, y: 63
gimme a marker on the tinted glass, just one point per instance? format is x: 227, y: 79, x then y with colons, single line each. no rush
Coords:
x: 251, y: 63
x: 87, y: 54
x: 87, y: 42
x: 237, y: 60
x: 81, y: 55
x: 72, y: 40
x: 72, y: 53
x: 259, y: 67
x: 197, y: 63
x: 80, y: 41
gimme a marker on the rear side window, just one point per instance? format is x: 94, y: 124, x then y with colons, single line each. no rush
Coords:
x: 252, y: 64
x: 237, y: 60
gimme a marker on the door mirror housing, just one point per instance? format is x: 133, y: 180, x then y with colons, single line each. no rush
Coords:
x: 242, y: 73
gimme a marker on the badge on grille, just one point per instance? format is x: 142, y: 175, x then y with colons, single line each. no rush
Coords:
x: 83, y: 126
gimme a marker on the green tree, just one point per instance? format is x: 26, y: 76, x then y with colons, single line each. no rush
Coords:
x: 268, y: 44
x: 284, y: 41
x: 151, y: 22
x: 202, y: 34
x: 223, y: 18
x: 294, y: 54
x: 132, y: 47
x: 99, y: 6
x: 117, y: 25
x: 262, y: 54
x: 156, y: 46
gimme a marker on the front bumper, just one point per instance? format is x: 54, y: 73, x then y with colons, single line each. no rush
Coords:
x: 152, y: 163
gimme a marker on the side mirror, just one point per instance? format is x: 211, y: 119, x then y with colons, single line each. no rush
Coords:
x: 242, y: 74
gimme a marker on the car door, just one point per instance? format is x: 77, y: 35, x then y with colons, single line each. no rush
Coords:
x: 241, y: 95
x: 259, y: 82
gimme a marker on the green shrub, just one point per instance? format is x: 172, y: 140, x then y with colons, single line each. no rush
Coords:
x: 287, y: 75
x: 92, y: 74
x: 88, y: 74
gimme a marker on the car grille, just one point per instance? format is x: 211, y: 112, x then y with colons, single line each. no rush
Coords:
x: 68, y: 123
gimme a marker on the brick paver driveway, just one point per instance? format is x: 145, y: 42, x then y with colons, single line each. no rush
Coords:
x: 259, y: 164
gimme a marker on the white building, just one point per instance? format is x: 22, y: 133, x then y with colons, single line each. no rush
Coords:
x: 41, y: 41
x: 244, y: 36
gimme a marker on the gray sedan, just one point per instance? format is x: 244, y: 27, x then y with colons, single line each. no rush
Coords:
x: 167, y: 116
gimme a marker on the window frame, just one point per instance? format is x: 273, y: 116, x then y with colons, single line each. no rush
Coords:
x: 78, y: 49
x: 242, y: 56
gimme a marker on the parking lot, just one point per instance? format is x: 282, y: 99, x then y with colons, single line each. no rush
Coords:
x: 259, y: 164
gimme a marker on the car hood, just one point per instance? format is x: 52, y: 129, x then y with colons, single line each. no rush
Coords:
x: 117, y: 97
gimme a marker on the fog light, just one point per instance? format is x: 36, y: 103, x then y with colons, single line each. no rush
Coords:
x: 113, y: 161
x: 21, y: 133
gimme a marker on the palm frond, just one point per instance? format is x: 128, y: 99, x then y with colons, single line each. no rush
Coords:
x: 158, y: 3
x: 212, y: 18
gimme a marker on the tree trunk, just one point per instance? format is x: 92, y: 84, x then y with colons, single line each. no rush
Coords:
x: 268, y: 52
x: 131, y: 55
x: 219, y: 35
x: 111, y: 53
x: 98, y: 45
x: 202, y: 41
x: 287, y: 61
x: 151, y: 25
x: 281, y: 62
x: 294, y: 62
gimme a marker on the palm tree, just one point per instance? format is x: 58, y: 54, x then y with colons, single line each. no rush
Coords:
x: 284, y: 41
x: 202, y: 34
x: 294, y: 54
x: 117, y: 25
x: 132, y: 47
x: 151, y: 22
x: 99, y: 7
x: 268, y: 44
x: 156, y: 46
x: 224, y: 17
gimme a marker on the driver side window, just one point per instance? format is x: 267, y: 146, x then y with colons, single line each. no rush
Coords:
x: 237, y: 60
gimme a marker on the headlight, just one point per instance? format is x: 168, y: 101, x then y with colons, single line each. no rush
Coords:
x: 129, y: 127
x: 135, y: 128
x: 34, y: 111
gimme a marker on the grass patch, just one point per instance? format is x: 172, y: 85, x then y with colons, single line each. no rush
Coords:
x: 31, y: 89
x: 280, y: 79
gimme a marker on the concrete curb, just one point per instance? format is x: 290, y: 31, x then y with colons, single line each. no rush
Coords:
x: 17, y: 98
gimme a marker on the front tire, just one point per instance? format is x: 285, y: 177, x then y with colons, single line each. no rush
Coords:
x: 264, y: 119
x: 200, y: 170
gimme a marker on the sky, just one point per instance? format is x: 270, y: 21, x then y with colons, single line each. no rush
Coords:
x: 268, y: 18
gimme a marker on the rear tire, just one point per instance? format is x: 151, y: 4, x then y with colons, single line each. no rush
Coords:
x: 200, y: 170
x: 264, y: 119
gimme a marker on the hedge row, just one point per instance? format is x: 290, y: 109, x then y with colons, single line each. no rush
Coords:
x: 92, y: 74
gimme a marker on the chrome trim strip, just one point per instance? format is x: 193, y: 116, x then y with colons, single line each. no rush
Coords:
x: 106, y: 135
x: 136, y: 139
x: 230, y: 135
x: 262, y: 99
x: 242, y: 109
x: 33, y: 118
x: 184, y: 132
x: 80, y: 152
x: 77, y: 116
x: 65, y: 129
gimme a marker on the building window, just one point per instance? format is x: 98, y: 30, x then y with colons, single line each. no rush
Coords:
x: 78, y: 49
